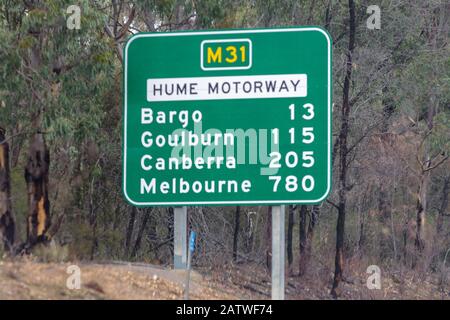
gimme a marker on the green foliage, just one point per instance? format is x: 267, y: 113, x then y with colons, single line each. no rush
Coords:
x: 440, y: 136
x: 72, y: 96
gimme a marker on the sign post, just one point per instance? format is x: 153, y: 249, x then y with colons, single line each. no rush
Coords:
x: 180, y: 238
x: 228, y: 117
x: 278, y: 252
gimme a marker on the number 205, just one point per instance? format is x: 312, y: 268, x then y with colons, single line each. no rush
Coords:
x: 291, y: 183
x: 291, y: 159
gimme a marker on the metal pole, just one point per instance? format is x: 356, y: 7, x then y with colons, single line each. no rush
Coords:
x: 180, y: 238
x: 278, y: 252
x: 188, y: 276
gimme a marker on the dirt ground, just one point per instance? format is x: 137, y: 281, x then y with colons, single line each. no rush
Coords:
x: 25, y: 278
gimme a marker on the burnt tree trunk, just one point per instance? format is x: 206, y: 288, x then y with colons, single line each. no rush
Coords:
x: 343, y: 152
x: 36, y: 177
x: 140, y: 234
x: 362, y: 229
x: 313, y: 216
x: 290, y: 231
x: 237, y: 218
x: 7, y: 224
x: 130, y: 229
x: 38, y: 161
x: 302, y: 239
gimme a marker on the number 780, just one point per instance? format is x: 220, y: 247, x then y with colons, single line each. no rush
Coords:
x: 291, y: 183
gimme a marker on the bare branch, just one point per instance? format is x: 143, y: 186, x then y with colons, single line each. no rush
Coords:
x: 332, y: 203
x: 436, y: 165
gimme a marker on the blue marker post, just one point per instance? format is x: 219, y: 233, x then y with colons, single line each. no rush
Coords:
x: 192, y: 239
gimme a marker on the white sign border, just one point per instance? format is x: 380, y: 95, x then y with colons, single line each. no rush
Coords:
x: 268, y: 202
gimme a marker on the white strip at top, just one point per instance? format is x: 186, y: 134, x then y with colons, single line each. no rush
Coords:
x: 228, y: 87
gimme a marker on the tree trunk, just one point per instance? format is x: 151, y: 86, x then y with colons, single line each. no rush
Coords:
x: 170, y: 232
x: 343, y: 152
x: 137, y: 244
x: 290, y: 230
x: 237, y: 218
x: 36, y: 177
x: 443, y: 206
x: 440, y: 28
x: 94, y: 245
x: 384, y: 203
x: 7, y: 224
x: 421, y: 204
x: 130, y: 229
x: 302, y: 239
x: 38, y: 162
x: 313, y: 216
x: 388, y: 108
x: 250, y: 232
x: 93, y: 218
x: 421, y: 207
x: 384, y: 215
x: 362, y: 231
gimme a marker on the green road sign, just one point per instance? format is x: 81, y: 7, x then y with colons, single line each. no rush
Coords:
x: 227, y: 117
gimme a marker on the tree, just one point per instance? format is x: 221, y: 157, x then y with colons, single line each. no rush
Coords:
x: 130, y: 228
x: 306, y: 235
x: 237, y: 219
x: 343, y: 153
x: 425, y: 95
x: 36, y: 177
x: 66, y: 73
x: 444, y: 204
x: 7, y: 223
x: 302, y: 239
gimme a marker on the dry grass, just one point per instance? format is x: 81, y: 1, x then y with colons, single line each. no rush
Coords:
x: 26, y: 278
